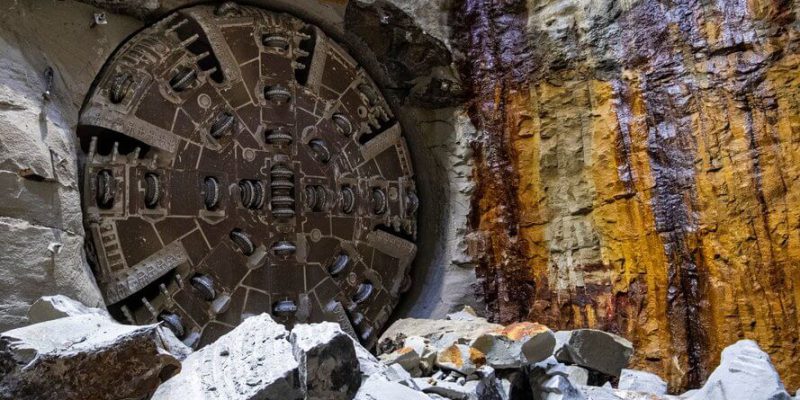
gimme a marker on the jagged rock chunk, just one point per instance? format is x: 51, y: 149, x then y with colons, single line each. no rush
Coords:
x: 460, y: 358
x: 255, y: 361
x: 600, y: 351
x: 86, y: 356
x: 329, y: 368
x: 516, y: 345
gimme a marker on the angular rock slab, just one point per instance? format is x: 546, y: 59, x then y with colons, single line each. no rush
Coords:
x: 406, y: 357
x: 255, y: 361
x: 744, y: 373
x: 83, y: 357
x: 460, y: 358
x: 517, y: 344
x: 329, y: 367
x: 601, y: 351
x: 48, y: 308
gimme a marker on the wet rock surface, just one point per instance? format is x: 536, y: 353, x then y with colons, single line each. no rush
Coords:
x: 631, y: 168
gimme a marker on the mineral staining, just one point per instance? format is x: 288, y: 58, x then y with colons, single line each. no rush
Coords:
x: 238, y: 161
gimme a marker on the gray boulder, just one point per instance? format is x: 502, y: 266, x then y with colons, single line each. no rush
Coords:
x: 516, y: 345
x: 368, y: 364
x: 406, y: 357
x: 460, y: 358
x: 255, y: 361
x: 329, y: 368
x: 744, y: 373
x: 378, y: 388
x: 641, y: 381
x: 86, y: 356
x: 597, y: 350
x: 48, y: 308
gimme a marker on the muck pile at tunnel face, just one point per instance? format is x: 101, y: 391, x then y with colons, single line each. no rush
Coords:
x: 238, y: 161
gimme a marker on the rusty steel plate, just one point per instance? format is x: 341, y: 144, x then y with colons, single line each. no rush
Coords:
x: 238, y: 161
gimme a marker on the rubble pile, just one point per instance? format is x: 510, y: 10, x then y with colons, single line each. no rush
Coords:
x: 75, y: 352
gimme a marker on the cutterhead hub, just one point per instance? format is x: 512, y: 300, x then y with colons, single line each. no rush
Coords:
x: 238, y: 161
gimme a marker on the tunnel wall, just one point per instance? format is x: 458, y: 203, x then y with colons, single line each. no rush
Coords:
x: 636, y: 172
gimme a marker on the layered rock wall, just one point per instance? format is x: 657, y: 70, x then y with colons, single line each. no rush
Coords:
x: 637, y: 172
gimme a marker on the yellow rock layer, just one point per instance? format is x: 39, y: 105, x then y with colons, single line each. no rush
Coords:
x: 747, y: 208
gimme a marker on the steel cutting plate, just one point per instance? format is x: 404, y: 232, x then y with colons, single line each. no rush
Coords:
x: 239, y: 161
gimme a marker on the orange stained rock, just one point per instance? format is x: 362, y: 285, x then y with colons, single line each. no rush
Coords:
x: 477, y: 357
x: 658, y: 198
x: 520, y: 330
x: 451, y: 355
x: 404, y: 350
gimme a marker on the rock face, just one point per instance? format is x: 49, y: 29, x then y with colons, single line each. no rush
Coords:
x: 87, y: 356
x: 635, y: 172
x: 254, y: 361
x: 41, y: 228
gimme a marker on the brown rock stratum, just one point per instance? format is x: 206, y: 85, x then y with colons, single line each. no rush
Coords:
x: 637, y: 172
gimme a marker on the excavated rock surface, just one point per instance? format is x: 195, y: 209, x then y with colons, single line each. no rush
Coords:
x: 636, y: 172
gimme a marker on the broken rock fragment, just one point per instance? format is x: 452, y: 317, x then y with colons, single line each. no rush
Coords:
x: 460, y: 358
x: 86, y: 356
x: 597, y: 350
x: 329, y: 368
x: 48, y: 308
x: 255, y: 361
x: 516, y: 345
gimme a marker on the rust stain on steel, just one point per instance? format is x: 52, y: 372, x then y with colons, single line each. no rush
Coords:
x: 238, y: 161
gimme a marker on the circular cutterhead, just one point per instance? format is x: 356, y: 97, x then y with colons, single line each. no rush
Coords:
x: 239, y: 161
